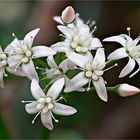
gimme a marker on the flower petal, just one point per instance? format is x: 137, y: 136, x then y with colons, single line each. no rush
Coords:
x: 95, y: 44
x: 80, y: 60
x: 42, y: 51
x: 135, y: 72
x: 14, y: 61
x: 31, y: 107
x: 126, y: 37
x: 137, y: 40
x: 29, y: 70
x: 28, y: 39
x: 117, y: 39
x: 118, y: 54
x: 68, y: 32
x: 51, y: 62
x: 18, y: 71
x: 58, y: 19
x: 100, y: 58
x: 63, y: 46
x: 56, y: 88
x: 37, y: 92
x: 47, y: 120
x: 66, y: 65
x: 62, y: 109
x: 76, y: 82
x: 128, y: 68
x: 1, y: 79
x: 101, y: 89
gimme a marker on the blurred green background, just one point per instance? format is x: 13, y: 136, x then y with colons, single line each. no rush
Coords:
x: 119, y: 118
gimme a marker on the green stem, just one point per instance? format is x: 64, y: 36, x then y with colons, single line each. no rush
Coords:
x: 109, y: 89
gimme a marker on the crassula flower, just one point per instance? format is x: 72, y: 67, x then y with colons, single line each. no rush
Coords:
x: 46, y: 105
x: 92, y: 71
x: 130, y: 49
x: 55, y: 72
x: 78, y: 38
x: 21, y: 53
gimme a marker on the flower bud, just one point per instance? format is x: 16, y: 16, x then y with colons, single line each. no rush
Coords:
x: 68, y: 15
x: 127, y: 90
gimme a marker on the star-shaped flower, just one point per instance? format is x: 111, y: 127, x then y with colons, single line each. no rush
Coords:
x: 21, y: 53
x: 92, y: 70
x: 46, y: 105
x: 78, y: 38
x: 130, y: 49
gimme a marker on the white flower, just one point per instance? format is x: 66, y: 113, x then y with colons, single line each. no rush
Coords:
x: 55, y: 71
x: 4, y: 66
x: 68, y: 15
x: 45, y: 105
x: 78, y: 38
x: 130, y: 49
x: 127, y: 90
x: 92, y: 70
x: 21, y: 54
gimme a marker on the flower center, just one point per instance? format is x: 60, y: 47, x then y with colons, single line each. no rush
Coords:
x: 92, y: 71
x: 24, y: 52
x: 45, y: 104
x: 80, y: 44
x: 3, y: 60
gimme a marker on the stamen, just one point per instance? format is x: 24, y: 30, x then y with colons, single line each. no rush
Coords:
x: 33, y: 121
x: 54, y: 118
x: 13, y: 34
x: 92, y: 24
x: 128, y: 29
x: 38, y: 68
x: 134, y: 73
x: 26, y: 101
x: 93, y: 29
x: 87, y: 22
x: 44, y: 78
x: 116, y: 64
x: 59, y: 99
x: 88, y: 89
x: 17, y: 66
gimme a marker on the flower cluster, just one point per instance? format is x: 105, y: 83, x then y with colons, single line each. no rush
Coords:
x: 80, y: 52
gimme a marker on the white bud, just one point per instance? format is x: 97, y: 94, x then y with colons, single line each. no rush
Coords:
x: 18, y: 50
x: 127, y: 90
x: 68, y: 15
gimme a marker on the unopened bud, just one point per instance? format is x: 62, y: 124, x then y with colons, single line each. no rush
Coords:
x: 68, y: 15
x: 127, y: 90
